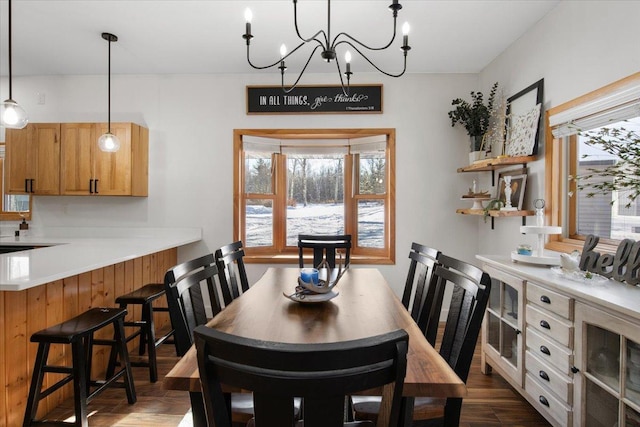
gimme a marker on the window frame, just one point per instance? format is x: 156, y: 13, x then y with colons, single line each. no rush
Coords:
x: 558, y: 157
x: 280, y: 253
x: 8, y: 215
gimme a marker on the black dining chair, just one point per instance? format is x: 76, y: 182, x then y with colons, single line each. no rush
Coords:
x: 233, y: 275
x: 322, y: 374
x: 186, y: 302
x: 325, y: 247
x: 470, y: 294
x: 423, y: 260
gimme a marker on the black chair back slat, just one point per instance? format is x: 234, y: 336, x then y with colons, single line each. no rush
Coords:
x: 185, y: 299
x: 414, y: 298
x: 233, y: 274
x: 322, y: 374
x: 324, y: 247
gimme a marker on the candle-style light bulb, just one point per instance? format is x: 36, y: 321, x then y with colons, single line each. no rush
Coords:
x: 347, y: 59
x: 405, y: 34
x: 283, y: 51
x: 248, y: 16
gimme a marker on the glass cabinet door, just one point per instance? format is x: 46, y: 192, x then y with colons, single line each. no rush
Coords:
x: 503, y: 322
x: 608, y: 357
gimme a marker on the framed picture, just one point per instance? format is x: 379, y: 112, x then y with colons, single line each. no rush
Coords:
x: 518, y: 183
x: 524, y: 119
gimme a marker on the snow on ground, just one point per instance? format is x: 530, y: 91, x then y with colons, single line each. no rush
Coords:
x: 316, y: 219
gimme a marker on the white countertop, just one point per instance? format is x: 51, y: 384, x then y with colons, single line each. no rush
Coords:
x: 71, y: 251
x: 616, y: 296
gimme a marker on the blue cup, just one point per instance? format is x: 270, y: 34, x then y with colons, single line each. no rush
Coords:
x: 309, y: 275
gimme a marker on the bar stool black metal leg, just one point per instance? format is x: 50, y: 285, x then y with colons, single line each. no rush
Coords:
x: 36, y: 384
x: 81, y: 380
x: 121, y: 344
x: 147, y: 315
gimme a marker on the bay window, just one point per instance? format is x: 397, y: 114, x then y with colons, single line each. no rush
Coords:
x: 290, y: 182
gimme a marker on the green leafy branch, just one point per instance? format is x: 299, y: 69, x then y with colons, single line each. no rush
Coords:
x: 623, y: 175
x: 473, y: 116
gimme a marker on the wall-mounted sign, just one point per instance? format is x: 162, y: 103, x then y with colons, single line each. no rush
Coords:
x: 314, y: 99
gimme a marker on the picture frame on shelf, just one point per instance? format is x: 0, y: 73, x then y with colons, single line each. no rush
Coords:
x: 518, y: 184
x: 524, y: 120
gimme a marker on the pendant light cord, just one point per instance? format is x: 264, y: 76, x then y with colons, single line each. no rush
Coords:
x: 109, y: 89
x: 10, y: 73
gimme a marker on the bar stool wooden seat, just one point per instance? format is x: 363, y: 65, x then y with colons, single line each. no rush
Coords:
x: 145, y: 296
x: 78, y: 332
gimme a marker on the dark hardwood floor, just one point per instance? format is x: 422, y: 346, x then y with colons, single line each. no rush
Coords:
x: 491, y: 402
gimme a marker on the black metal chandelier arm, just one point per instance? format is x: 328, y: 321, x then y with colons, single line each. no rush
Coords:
x: 295, y: 24
x: 374, y: 65
x: 264, y: 67
x: 335, y: 41
x: 292, y: 87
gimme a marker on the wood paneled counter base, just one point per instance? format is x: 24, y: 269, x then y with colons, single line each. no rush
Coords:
x: 24, y: 312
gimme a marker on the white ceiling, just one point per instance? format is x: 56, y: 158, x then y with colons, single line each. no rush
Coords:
x: 62, y: 37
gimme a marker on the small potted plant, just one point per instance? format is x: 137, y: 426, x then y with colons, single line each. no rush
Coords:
x: 474, y: 116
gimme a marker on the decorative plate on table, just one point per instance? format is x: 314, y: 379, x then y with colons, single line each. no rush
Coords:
x: 580, y: 276
x: 311, y: 298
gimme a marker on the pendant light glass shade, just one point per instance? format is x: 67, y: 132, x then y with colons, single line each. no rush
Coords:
x: 109, y: 142
x: 12, y: 115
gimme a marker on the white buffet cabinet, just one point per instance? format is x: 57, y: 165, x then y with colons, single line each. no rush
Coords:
x: 570, y: 347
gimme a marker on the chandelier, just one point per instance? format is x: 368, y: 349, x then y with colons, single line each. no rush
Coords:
x: 322, y: 40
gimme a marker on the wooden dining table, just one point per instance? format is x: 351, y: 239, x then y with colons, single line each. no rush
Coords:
x: 365, y: 306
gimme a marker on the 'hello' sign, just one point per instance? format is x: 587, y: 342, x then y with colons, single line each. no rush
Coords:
x: 624, y: 266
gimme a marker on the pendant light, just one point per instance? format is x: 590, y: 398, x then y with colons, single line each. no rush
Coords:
x: 12, y: 115
x: 109, y: 142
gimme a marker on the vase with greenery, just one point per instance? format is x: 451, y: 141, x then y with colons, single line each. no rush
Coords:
x: 623, y: 174
x: 474, y: 115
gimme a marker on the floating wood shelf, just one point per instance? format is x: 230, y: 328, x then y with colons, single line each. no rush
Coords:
x: 497, y: 214
x: 496, y: 163
x: 494, y: 213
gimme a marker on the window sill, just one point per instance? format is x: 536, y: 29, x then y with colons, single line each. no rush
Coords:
x: 293, y: 259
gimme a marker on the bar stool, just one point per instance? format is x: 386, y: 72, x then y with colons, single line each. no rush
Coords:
x: 78, y: 332
x: 144, y: 296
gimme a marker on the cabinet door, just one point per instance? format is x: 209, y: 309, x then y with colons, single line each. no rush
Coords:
x: 78, y: 142
x: 113, y: 170
x: 33, y: 157
x: 18, y: 158
x: 607, y: 354
x: 502, y: 334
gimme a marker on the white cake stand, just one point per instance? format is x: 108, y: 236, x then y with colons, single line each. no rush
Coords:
x: 477, y: 202
x: 538, y: 257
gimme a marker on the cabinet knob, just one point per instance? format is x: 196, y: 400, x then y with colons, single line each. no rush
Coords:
x: 575, y: 370
x: 543, y: 375
x: 545, y: 350
x: 544, y: 401
x: 545, y: 299
x: 545, y: 324
x: 518, y: 331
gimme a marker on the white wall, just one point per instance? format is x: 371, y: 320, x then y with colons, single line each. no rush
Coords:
x: 578, y: 47
x: 191, y: 119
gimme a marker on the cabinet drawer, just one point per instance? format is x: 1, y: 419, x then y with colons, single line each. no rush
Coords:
x: 550, y: 326
x: 546, y: 402
x: 550, y: 300
x: 549, y: 351
x: 545, y: 374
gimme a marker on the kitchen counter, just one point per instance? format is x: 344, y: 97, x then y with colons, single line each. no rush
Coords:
x: 65, y: 251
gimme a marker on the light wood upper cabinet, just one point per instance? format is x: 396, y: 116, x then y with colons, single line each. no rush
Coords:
x: 86, y: 170
x: 33, y: 159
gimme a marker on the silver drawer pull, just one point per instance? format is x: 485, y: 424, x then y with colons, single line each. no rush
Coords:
x: 545, y: 350
x: 544, y: 375
x: 545, y: 299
